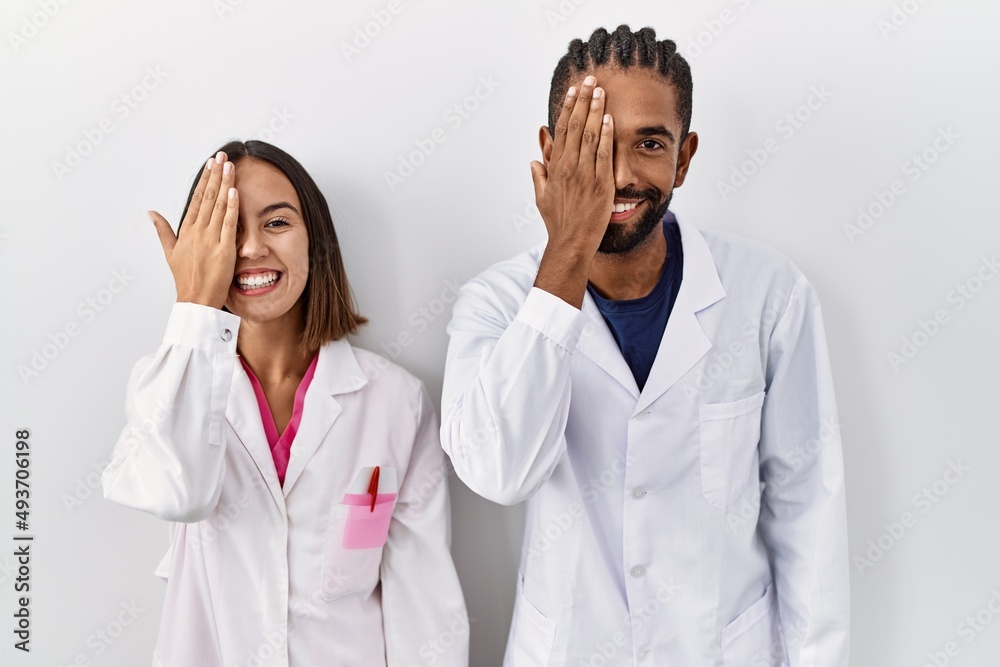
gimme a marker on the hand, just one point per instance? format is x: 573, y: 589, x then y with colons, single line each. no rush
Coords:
x: 575, y: 192
x: 202, y: 256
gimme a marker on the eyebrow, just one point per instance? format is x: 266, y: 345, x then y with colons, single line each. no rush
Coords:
x: 274, y: 207
x: 656, y: 130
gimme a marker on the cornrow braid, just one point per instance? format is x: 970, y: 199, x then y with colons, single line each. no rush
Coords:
x: 623, y: 49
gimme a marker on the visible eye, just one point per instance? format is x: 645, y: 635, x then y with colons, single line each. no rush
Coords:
x: 277, y: 222
x: 651, y: 144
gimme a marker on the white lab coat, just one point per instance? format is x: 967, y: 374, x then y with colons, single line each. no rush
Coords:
x: 699, y: 522
x: 257, y: 574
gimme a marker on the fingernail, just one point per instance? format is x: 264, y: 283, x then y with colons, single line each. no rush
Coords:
x: 226, y: 168
x: 607, y: 118
x: 218, y: 157
x: 149, y: 214
x: 232, y: 193
x: 589, y: 81
x: 571, y: 92
x: 208, y: 165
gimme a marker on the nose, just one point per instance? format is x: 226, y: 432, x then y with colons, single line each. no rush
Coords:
x: 622, y: 167
x: 250, y: 243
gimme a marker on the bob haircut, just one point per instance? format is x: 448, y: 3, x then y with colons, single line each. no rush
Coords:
x: 328, y: 307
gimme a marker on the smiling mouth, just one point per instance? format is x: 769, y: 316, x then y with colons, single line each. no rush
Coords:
x: 623, y: 210
x: 251, y: 282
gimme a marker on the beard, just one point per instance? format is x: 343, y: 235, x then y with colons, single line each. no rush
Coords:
x: 621, y: 239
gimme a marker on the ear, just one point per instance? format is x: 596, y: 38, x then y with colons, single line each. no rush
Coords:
x: 545, y: 143
x: 688, y: 149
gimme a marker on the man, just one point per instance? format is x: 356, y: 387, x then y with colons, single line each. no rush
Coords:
x: 660, y: 396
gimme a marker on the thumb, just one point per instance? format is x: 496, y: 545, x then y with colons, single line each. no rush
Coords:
x: 539, y: 175
x: 167, y: 237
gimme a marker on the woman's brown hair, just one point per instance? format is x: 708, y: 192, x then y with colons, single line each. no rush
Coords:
x: 328, y: 304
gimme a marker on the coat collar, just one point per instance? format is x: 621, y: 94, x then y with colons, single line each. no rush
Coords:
x: 337, y: 372
x: 683, y: 342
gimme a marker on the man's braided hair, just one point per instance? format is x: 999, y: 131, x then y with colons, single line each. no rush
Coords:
x: 623, y: 49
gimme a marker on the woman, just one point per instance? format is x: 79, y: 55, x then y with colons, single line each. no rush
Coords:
x: 303, y: 477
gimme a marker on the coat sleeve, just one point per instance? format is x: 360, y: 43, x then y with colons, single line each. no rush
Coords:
x: 423, y: 610
x: 169, y: 458
x: 506, y: 393
x: 803, y: 513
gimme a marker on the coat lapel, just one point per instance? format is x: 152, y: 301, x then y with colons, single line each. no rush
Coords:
x: 337, y: 372
x: 598, y: 344
x: 684, y: 342
x: 243, y: 414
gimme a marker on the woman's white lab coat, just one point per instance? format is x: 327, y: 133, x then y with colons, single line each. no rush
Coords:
x: 700, y: 521
x: 257, y: 573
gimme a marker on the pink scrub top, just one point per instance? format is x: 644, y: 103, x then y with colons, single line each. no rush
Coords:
x: 281, y: 445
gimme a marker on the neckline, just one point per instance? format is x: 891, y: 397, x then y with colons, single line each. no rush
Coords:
x: 270, y: 427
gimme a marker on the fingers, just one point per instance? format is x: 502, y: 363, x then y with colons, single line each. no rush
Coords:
x: 211, y: 193
x: 228, y: 236
x: 166, y: 235
x: 538, y: 177
x: 222, y: 201
x: 578, y: 121
x: 199, y: 193
x: 605, y: 149
x: 591, y: 135
x: 562, y: 123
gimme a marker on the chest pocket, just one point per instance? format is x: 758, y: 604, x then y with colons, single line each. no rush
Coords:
x: 355, y: 536
x: 728, y: 437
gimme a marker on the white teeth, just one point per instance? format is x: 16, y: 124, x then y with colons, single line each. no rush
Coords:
x: 621, y: 208
x: 257, y: 280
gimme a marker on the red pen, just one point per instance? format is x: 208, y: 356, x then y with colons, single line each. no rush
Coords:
x: 373, y: 488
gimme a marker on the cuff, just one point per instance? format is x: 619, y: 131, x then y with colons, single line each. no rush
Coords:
x: 552, y: 317
x: 204, y: 327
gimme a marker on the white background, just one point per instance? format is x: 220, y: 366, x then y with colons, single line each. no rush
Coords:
x: 348, y: 118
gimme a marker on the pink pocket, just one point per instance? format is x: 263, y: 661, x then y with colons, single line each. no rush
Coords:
x: 365, y: 528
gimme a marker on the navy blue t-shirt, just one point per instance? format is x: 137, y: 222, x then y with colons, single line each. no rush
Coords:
x: 638, y: 324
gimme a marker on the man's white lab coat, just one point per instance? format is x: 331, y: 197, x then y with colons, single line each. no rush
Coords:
x: 257, y: 573
x: 698, y: 522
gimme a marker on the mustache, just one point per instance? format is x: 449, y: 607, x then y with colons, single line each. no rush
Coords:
x: 653, y: 194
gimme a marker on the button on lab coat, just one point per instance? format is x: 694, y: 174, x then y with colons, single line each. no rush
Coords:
x: 257, y: 573
x: 700, y: 521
